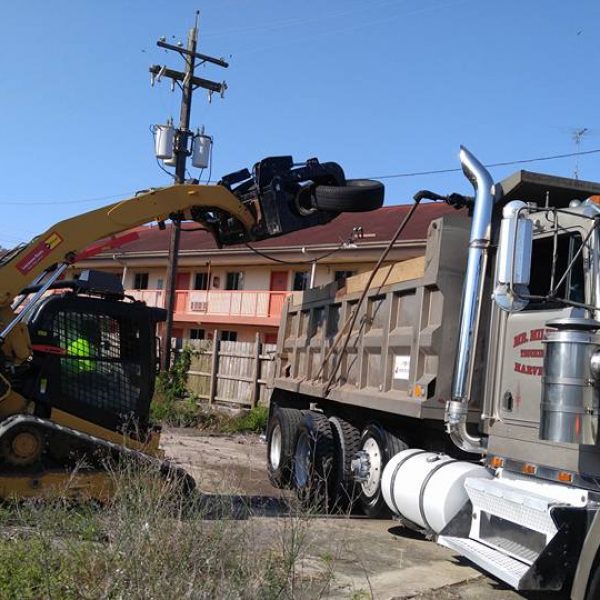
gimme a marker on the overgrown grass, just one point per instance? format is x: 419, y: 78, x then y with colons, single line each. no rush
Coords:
x: 148, y: 541
x: 253, y: 420
x: 190, y: 413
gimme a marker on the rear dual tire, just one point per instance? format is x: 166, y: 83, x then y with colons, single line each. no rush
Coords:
x: 313, y: 454
x: 314, y: 463
x: 346, y: 440
x: 282, y: 434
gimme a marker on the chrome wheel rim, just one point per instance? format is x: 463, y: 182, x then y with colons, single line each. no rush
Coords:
x: 302, y: 462
x: 370, y: 487
x: 275, y: 447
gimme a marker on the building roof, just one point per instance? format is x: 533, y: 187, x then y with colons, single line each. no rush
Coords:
x: 378, y: 226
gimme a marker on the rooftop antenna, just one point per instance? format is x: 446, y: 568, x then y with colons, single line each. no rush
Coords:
x: 577, y: 138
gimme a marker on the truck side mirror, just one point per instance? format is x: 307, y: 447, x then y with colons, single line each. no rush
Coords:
x: 513, y: 263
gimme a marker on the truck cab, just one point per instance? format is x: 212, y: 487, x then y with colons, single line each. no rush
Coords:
x: 460, y: 392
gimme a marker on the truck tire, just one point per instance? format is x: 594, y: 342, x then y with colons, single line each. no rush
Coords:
x: 346, y: 442
x: 358, y: 195
x: 380, y: 445
x: 314, y: 463
x: 282, y: 433
x: 593, y: 591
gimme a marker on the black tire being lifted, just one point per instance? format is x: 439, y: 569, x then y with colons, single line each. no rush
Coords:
x: 282, y: 433
x: 314, y: 463
x: 358, y: 195
x: 346, y: 440
x: 381, y: 445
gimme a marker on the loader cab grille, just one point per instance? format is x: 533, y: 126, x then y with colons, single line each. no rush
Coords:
x: 102, y: 366
x: 95, y: 359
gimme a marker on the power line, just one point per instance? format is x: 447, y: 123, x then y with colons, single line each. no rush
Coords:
x: 393, y: 176
x: 293, y: 262
x: 489, y: 165
x: 63, y: 202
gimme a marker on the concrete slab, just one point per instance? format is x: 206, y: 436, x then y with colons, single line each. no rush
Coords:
x: 342, y: 557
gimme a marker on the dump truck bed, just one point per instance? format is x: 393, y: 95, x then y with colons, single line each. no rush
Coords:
x: 400, y: 355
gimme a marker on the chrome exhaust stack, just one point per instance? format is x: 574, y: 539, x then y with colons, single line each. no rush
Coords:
x: 479, y: 242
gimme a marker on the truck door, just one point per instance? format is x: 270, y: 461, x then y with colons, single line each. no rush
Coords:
x: 521, y: 349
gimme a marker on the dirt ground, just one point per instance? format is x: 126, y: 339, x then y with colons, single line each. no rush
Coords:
x: 366, y: 558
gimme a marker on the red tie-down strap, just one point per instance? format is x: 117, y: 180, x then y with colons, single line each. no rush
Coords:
x: 46, y: 349
x: 109, y: 244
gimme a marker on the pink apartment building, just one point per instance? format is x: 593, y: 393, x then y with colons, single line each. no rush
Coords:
x: 239, y: 291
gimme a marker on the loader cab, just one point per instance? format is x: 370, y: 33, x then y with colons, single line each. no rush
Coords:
x: 562, y: 284
x: 94, y: 359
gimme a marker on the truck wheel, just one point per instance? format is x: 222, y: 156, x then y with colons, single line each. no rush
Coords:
x: 346, y: 442
x: 593, y: 591
x: 357, y: 195
x: 314, y: 463
x: 281, y: 443
x: 379, y: 445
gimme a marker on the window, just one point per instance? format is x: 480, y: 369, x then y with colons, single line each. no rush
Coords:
x: 140, y: 281
x: 160, y: 284
x: 235, y: 280
x: 341, y: 276
x: 572, y: 288
x: 197, y: 334
x: 270, y: 338
x: 301, y: 281
x: 229, y: 336
x: 201, y: 281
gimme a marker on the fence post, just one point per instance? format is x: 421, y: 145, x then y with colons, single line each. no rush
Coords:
x: 256, y: 386
x: 214, y: 366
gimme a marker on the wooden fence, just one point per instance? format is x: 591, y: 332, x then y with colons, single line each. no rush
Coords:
x: 233, y: 373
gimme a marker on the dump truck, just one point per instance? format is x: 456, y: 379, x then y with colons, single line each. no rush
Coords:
x: 459, y: 391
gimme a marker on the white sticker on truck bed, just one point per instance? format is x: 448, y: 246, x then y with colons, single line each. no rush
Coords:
x: 401, y: 366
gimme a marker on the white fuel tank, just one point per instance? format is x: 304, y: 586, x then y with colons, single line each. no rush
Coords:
x: 426, y: 487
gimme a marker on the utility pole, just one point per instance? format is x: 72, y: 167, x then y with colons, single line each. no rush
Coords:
x: 188, y: 82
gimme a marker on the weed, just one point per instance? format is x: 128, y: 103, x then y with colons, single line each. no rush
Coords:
x: 173, y: 383
x: 181, y: 413
x: 148, y: 541
x: 254, y: 420
x: 189, y: 413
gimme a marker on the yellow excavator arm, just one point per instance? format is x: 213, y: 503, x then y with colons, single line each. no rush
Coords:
x: 64, y: 240
x: 61, y: 243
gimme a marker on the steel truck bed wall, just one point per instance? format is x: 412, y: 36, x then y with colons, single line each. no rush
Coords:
x: 400, y: 357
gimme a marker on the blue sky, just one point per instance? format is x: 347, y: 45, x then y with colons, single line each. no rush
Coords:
x: 380, y: 86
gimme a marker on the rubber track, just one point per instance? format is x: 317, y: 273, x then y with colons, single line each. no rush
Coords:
x: 164, y: 466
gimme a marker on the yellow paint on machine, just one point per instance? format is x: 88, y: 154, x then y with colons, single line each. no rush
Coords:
x: 96, y: 485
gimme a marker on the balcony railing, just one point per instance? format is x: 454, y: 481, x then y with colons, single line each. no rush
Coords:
x: 246, y: 303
